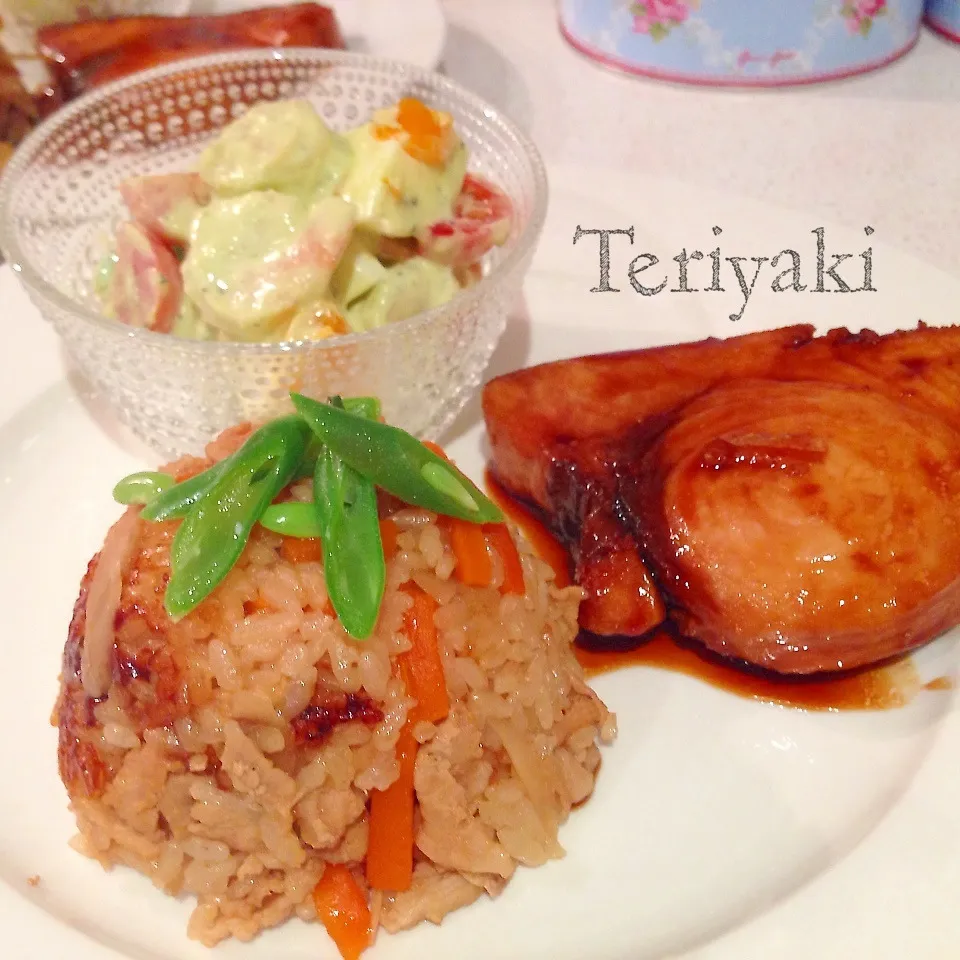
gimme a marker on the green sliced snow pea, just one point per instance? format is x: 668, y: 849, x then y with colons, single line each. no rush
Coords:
x: 368, y: 407
x: 217, y: 527
x: 141, y: 487
x: 308, y: 462
x: 353, y: 562
x: 292, y: 519
x: 397, y: 462
x: 177, y: 500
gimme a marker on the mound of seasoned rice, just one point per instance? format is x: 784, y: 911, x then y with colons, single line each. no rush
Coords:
x: 235, y: 751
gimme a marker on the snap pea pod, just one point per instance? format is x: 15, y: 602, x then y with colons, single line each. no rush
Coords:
x: 397, y: 462
x: 353, y: 562
x: 308, y: 462
x: 177, y: 500
x: 217, y: 527
x: 368, y: 407
x: 293, y: 519
x: 141, y: 487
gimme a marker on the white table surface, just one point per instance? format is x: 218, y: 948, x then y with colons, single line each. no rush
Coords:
x: 881, y: 149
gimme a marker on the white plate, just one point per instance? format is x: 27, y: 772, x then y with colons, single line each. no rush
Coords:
x: 721, y: 829
x: 412, y: 30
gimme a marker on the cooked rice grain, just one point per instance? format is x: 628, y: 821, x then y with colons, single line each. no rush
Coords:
x: 191, y: 769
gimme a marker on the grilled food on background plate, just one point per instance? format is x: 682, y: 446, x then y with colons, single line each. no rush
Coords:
x: 18, y: 110
x: 54, y: 50
x: 88, y: 53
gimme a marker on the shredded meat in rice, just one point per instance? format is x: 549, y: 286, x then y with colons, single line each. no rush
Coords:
x: 233, y: 754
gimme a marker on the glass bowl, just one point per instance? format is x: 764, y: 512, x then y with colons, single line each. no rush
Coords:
x: 59, y: 205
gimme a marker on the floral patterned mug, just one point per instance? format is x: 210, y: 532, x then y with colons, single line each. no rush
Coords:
x: 944, y: 17
x: 742, y: 42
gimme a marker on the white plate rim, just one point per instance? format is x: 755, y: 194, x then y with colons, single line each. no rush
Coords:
x: 413, y: 31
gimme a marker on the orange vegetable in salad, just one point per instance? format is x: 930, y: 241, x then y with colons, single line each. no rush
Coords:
x: 426, y: 135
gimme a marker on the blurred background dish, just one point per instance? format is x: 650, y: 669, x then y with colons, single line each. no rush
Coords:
x: 31, y: 14
x: 50, y: 52
x: 413, y: 31
x: 59, y: 205
x: 87, y: 53
x: 38, y: 12
x: 944, y: 17
x: 22, y: 19
x: 742, y: 42
x: 18, y: 109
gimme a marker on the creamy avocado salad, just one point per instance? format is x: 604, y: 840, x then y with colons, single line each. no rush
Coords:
x: 288, y: 230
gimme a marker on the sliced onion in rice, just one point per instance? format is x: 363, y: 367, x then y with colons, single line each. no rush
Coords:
x: 103, y: 600
x: 530, y: 770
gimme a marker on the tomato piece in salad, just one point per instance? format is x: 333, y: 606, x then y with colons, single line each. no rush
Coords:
x: 144, y: 288
x: 482, y: 215
x: 166, y: 203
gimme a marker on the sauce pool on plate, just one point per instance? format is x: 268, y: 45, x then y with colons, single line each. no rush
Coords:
x: 876, y: 688
x: 883, y: 687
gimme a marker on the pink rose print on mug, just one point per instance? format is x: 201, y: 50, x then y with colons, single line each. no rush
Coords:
x: 860, y: 14
x: 658, y: 17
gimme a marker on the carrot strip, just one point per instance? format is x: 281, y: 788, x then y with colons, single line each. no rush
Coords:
x: 305, y: 550
x: 422, y: 665
x: 417, y: 118
x: 390, y: 834
x: 470, y: 547
x: 301, y: 550
x: 394, y: 192
x: 435, y: 448
x: 389, y: 531
x: 256, y: 605
x: 432, y: 151
x: 342, y: 908
x: 498, y: 535
x: 474, y: 568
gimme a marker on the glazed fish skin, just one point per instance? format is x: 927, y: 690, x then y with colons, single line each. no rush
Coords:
x: 555, y: 432
x: 539, y: 416
x: 620, y: 595
x: 803, y: 527
x: 571, y: 436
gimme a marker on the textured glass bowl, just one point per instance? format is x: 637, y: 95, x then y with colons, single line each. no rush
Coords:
x: 59, y: 204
